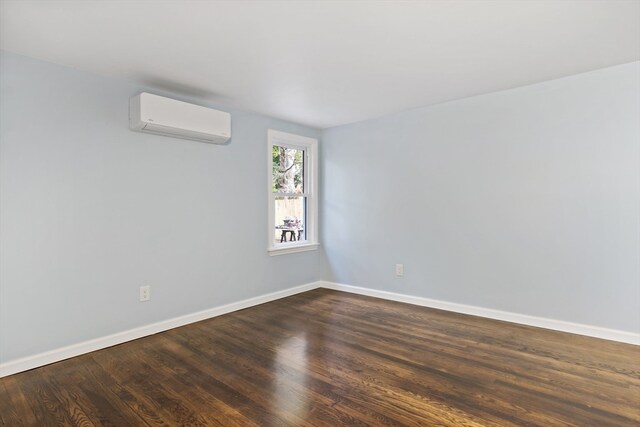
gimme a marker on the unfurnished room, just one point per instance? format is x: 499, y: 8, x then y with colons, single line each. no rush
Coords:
x: 320, y: 213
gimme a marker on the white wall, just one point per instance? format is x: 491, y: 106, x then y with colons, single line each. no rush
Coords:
x: 526, y: 200
x: 90, y: 211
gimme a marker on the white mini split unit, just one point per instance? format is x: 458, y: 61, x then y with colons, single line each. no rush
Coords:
x: 166, y: 116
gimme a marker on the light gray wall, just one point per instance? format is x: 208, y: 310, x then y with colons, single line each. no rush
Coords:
x: 90, y: 211
x: 526, y: 200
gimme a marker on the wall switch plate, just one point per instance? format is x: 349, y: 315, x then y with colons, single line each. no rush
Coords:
x: 145, y: 293
x: 399, y: 270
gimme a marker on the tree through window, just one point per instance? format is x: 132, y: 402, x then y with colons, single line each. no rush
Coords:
x: 288, y: 170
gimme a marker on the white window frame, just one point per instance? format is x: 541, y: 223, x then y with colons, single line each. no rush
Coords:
x: 310, y: 147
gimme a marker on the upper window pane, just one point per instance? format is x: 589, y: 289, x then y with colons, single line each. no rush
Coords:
x: 288, y: 170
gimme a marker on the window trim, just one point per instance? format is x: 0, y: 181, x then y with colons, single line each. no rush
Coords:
x: 310, y: 146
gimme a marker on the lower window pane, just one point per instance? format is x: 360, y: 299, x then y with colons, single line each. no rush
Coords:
x: 290, y: 218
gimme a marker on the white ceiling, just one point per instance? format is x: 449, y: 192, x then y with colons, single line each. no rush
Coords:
x: 325, y: 63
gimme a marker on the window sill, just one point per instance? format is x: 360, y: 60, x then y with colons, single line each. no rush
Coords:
x: 293, y: 249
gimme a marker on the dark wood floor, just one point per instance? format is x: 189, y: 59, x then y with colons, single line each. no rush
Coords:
x: 333, y: 358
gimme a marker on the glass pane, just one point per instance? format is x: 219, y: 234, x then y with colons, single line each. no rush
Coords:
x: 290, y: 218
x: 288, y: 170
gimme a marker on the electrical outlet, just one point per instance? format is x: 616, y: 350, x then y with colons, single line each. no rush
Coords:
x: 399, y: 270
x: 145, y: 293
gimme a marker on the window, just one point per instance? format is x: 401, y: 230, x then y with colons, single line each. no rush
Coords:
x: 293, y: 184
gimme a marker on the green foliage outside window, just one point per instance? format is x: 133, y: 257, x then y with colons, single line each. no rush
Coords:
x: 288, y: 170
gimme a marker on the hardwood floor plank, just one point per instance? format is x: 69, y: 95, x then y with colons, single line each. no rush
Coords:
x: 373, y: 373
x: 317, y: 391
x: 16, y: 410
x: 329, y: 358
x: 451, y: 358
x: 47, y: 408
x: 353, y: 385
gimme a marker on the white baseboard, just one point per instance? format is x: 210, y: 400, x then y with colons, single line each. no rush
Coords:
x: 540, y: 322
x: 30, y: 362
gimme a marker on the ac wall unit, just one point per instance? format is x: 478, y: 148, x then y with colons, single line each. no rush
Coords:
x: 169, y: 117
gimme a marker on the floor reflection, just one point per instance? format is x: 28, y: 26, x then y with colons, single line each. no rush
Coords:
x: 291, y: 379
